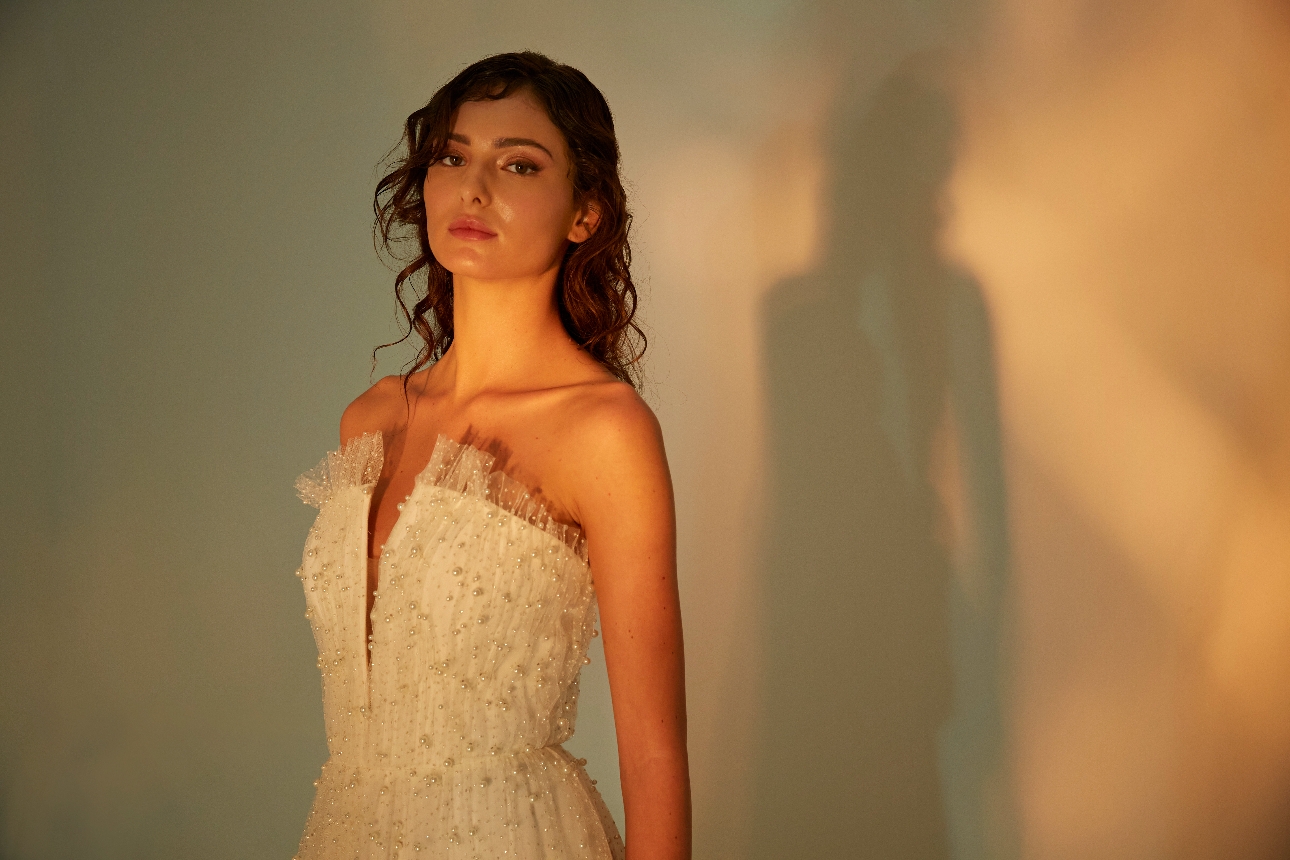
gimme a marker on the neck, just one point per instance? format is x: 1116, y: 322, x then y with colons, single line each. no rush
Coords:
x: 504, y: 333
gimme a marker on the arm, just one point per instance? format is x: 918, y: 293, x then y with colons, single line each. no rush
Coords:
x: 625, y: 505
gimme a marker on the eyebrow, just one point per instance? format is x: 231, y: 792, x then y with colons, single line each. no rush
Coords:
x: 504, y: 142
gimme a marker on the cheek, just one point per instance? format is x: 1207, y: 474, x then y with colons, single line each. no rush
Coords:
x: 540, y: 214
x: 440, y: 209
x: 436, y: 197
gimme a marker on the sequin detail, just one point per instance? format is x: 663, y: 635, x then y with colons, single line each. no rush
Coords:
x: 449, y: 745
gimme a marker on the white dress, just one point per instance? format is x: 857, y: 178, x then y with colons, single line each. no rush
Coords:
x: 449, y: 744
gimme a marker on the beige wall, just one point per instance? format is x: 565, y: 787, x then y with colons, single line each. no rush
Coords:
x: 969, y: 337
x: 1124, y: 197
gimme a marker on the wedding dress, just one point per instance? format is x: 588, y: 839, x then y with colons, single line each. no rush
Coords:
x: 446, y: 743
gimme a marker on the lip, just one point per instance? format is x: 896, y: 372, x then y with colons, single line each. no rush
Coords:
x: 470, y: 229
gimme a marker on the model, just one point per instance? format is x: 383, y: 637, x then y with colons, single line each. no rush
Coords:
x: 488, y: 508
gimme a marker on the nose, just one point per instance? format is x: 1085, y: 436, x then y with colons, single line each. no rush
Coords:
x: 474, y: 184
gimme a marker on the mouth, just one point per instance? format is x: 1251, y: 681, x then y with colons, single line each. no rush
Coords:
x: 470, y: 229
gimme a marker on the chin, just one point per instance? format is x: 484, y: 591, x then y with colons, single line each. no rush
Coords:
x: 464, y: 264
x: 473, y: 269
x: 487, y: 270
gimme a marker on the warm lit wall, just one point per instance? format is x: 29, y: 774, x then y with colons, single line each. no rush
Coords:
x: 968, y: 334
x: 1124, y: 198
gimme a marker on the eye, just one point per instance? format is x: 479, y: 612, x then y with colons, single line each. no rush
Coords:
x: 522, y: 168
x: 452, y: 159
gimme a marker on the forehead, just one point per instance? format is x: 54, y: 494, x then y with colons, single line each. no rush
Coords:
x: 517, y: 115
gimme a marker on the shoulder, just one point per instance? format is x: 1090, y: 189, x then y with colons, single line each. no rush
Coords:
x: 376, y: 410
x: 610, y: 419
x: 614, y: 445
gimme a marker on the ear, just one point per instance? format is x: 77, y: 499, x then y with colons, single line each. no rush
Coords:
x: 585, y: 223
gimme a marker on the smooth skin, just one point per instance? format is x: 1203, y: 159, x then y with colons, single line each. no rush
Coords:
x: 515, y: 384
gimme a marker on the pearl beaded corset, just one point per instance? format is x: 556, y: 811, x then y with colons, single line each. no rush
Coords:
x: 482, y: 616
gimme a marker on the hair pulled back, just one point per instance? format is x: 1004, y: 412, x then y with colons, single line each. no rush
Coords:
x: 594, y: 290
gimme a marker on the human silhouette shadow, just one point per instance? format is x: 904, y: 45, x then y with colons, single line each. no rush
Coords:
x: 862, y: 357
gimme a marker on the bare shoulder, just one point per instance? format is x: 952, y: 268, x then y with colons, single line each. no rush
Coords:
x: 610, y: 420
x: 613, y: 446
x: 377, y: 409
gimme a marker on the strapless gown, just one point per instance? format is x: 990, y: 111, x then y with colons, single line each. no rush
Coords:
x: 448, y: 744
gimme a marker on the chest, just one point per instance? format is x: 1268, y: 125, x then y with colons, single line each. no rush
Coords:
x: 533, y: 467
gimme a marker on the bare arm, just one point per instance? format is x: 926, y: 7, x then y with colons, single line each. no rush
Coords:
x: 625, y: 505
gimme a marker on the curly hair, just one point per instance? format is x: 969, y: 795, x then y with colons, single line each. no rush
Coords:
x: 594, y: 290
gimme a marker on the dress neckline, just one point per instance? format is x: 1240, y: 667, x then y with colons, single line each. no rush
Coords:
x: 471, y: 471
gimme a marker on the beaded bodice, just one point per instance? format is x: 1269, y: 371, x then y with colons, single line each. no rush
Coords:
x: 481, y: 619
x: 445, y: 726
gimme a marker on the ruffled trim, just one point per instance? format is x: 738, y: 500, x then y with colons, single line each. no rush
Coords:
x: 454, y: 466
x: 357, y: 464
x: 468, y: 470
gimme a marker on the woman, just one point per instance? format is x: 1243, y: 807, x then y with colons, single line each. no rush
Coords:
x: 485, y: 507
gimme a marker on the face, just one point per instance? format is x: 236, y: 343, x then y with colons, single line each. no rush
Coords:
x: 499, y: 203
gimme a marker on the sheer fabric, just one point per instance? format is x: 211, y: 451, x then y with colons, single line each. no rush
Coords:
x: 447, y: 744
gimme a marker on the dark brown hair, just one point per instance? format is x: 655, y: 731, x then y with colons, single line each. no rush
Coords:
x: 594, y: 289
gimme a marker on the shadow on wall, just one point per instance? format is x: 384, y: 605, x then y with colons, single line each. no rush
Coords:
x: 886, y: 559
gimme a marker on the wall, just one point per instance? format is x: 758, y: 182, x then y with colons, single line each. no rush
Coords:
x: 968, y: 336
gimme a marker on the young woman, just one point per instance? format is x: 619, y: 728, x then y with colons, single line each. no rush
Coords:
x: 484, y: 508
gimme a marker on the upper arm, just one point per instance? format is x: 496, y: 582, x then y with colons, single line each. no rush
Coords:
x: 625, y: 505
